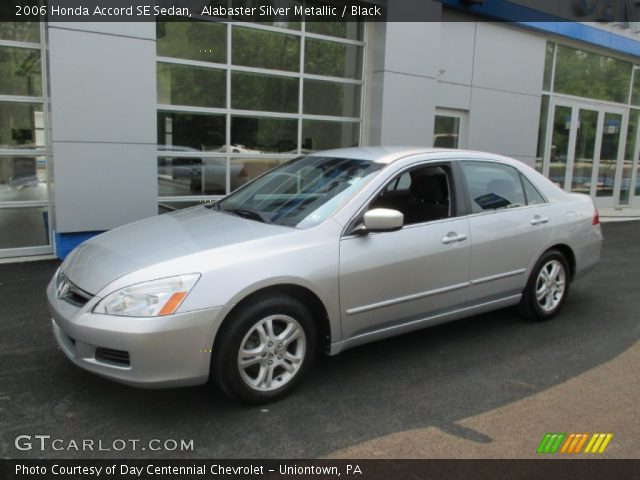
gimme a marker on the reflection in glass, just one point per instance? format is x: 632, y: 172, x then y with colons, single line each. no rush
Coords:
x: 251, y: 135
x: 446, y: 131
x: 542, y: 132
x: 548, y: 66
x: 332, y: 59
x: 323, y: 135
x: 194, y: 176
x: 205, y: 41
x: 251, y: 91
x: 258, y: 48
x: 349, y: 30
x: 560, y: 145
x: 21, y: 125
x: 331, y: 98
x: 250, y: 168
x: 24, y: 227
x: 192, y: 86
x: 586, y: 74
x: 23, y: 179
x: 20, y: 72
x: 584, y: 152
x: 608, y: 154
x: 20, y: 31
x: 635, y: 89
x: 189, y: 132
x: 629, y: 153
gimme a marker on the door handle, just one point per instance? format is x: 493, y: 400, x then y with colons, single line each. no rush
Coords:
x: 453, y: 237
x: 538, y: 220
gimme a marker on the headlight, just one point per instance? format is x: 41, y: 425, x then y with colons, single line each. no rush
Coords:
x: 149, y: 299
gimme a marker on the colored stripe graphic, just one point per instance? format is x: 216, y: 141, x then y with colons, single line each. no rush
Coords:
x: 572, y: 443
x: 598, y: 443
x: 551, y: 442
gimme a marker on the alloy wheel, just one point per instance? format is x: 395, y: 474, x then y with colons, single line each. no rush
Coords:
x: 271, y: 353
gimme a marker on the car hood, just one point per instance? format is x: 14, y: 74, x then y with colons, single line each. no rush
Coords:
x: 111, y: 255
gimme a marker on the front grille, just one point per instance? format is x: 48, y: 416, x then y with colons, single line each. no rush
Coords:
x: 70, y: 292
x: 109, y: 355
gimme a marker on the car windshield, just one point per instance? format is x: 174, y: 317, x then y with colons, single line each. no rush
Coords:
x: 300, y: 193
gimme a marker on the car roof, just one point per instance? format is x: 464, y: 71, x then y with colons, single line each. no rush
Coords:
x: 388, y: 155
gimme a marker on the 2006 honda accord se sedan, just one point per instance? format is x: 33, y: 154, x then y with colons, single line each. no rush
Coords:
x: 325, y: 252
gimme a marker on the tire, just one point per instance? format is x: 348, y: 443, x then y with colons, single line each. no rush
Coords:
x: 545, y: 293
x: 276, y: 360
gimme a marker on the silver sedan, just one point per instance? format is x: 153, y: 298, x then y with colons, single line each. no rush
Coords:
x: 328, y: 251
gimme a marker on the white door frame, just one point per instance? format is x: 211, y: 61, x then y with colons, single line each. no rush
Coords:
x: 602, y: 108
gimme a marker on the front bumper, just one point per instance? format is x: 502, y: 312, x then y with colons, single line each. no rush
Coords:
x: 169, y: 351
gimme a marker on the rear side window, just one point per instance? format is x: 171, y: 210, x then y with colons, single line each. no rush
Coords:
x: 532, y: 193
x: 492, y: 186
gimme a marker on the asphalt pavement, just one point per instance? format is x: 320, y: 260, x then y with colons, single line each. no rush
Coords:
x: 490, y: 385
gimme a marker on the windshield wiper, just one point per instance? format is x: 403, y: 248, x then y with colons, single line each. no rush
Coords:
x: 250, y: 214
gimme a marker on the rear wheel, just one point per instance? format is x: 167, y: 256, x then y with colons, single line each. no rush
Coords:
x: 264, y: 349
x: 547, y: 288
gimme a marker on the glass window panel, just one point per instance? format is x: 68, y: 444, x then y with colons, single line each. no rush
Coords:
x: 191, y: 132
x: 250, y: 91
x: 21, y: 125
x: 548, y: 66
x: 446, y: 131
x: 257, y: 135
x: 629, y: 152
x: 492, y: 186
x: 542, y: 132
x: 635, y: 91
x: 323, y: 135
x: 584, y: 151
x: 533, y: 195
x: 273, y: 12
x: 192, y: 176
x: 205, y: 41
x: 349, y: 30
x: 559, y: 145
x: 331, y: 98
x: 20, y: 31
x: 262, y: 49
x: 250, y: 168
x: 608, y: 154
x: 587, y: 74
x: 24, y: 227
x: 332, y: 59
x: 20, y: 72
x: 193, y: 86
x: 23, y: 179
x: 168, y: 207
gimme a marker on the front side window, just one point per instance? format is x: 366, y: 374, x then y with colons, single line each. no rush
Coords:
x: 492, y: 186
x: 422, y: 194
x: 301, y: 193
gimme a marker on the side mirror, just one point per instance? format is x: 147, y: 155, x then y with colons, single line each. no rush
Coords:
x: 383, y: 220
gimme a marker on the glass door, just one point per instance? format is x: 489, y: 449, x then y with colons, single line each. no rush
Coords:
x: 558, y: 148
x: 586, y: 151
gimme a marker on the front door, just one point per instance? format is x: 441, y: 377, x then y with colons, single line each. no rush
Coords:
x: 396, y: 277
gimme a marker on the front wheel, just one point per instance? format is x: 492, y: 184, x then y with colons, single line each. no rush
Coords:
x: 264, y: 349
x: 547, y: 288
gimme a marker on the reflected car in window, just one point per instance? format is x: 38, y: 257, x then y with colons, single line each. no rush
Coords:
x: 326, y: 252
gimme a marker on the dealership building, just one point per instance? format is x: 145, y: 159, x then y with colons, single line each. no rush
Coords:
x: 106, y: 123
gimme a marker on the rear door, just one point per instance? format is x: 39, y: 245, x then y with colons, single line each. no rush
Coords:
x: 509, y: 225
x: 394, y: 277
